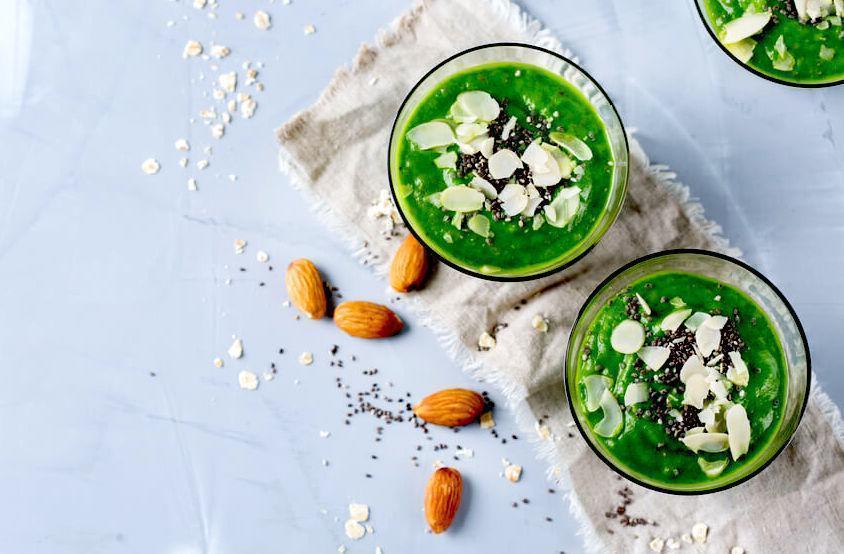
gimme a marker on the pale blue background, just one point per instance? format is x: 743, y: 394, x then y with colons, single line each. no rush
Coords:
x: 108, y: 274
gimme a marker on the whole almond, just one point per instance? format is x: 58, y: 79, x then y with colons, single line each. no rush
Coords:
x: 305, y: 288
x: 450, y: 407
x: 367, y: 320
x: 442, y: 498
x: 409, y: 266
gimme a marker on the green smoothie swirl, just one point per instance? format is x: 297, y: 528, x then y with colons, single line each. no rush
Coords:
x: 682, y: 379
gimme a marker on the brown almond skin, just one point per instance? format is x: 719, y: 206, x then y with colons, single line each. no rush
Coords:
x: 409, y: 266
x: 305, y: 288
x: 442, y: 498
x: 367, y: 320
x: 450, y: 407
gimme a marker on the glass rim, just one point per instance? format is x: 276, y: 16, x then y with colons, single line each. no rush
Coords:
x: 780, y: 81
x: 705, y: 253
x: 613, y: 213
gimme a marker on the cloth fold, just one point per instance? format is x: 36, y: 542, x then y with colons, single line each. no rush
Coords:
x: 335, y: 152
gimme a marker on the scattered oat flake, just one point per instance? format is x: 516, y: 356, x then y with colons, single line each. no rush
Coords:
x: 543, y: 431
x: 656, y: 544
x: 262, y: 256
x: 182, y: 145
x: 239, y: 15
x: 487, y: 421
x: 699, y: 532
x: 465, y: 452
x: 239, y: 246
x: 354, y: 530
x: 202, y: 164
x: 150, y: 166
x: 310, y: 29
x: 341, y: 549
x: 247, y: 107
x: 539, y: 323
x: 268, y: 375
x: 737, y: 550
x: 183, y: 162
x: 262, y: 20
x: 218, y: 130
x: 192, y: 185
x: 486, y: 341
x: 218, y: 362
x: 192, y: 49
x: 370, y: 529
x: 687, y: 538
x: 378, y: 550
x: 199, y: 4
x: 306, y: 358
x: 219, y: 51
x: 228, y: 81
x: 247, y: 380
x: 513, y: 473
x: 672, y: 543
x: 236, y: 349
x: 324, y: 434
x: 359, y: 512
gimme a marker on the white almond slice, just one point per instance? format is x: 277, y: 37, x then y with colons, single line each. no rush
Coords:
x: 466, y: 132
x: 459, y: 114
x: 801, y: 7
x: 706, y: 442
x: 738, y: 374
x: 627, y: 337
x: 503, y: 164
x: 839, y: 8
x: 738, y: 429
x: 743, y: 49
x: 645, y: 307
x: 486, y: 147
x: 692, y: 366
x: 431, y: 135
x: 513, y: 199
x: 484, y: 186
x: 635, y: 393
x: 577, y: 147
x: 479, y: 224
x: 707, y: 339
x: 461, y: 198
x: 813, y: 9
x: 447, y: 160
x: 550, y: 213
x: 654, y: 356
x: 697, y: 389
x: 714, y: 361
x: 745, y: 26
x: 537, y: 158
x: 696, y: 320
x: 480, y: 104
x: 716, y: 322
x: 595, y: 385
x: 564, y: 163
x: 565, y: 206
x: 719, y: 389
x: 707, y: 417
x: 533, y: 203
x: 712, y: 469
x: 695, y: 431
x: 532, y: 191
x: 672, y: 321
x: 508, y: 128
x: 610, y: 424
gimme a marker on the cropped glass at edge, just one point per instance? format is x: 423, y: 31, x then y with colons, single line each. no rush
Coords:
x: 516, y: 53
x: 757, y: 289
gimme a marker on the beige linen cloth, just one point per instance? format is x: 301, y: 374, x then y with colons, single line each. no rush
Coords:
x: 336, y: 153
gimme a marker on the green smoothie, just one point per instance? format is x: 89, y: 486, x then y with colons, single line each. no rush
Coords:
x: 799, y: 41
x: 503, y: 169
x: 681, y: 379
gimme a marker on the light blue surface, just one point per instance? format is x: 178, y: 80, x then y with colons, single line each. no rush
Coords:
x: 109, y: 275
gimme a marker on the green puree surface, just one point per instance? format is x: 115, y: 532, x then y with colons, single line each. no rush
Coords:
x: 512, y: 249
x: 636, y: 446
x: 803, y: 41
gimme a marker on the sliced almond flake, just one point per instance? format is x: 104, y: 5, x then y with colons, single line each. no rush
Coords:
x: 202, y: 164
x: 192, y: 185
x: 479, y: 104
x: 467, y: 132
x: 192, y: 49
x: 565, y: 206
x: 747, y: 25
x: 503, y: 164
x: 611, y: 423
x: 247, y: 107
x: 696, y: 391
x: 643, y: 304
x: 696, y: 320
x: 537, y: 158
x: 182, y: 145
x: 672, y: 321
x: 183, y: 162
x: 306, y: 358
x: 656, y: 545
x: 692, y: 366
x: 513, y: 473
x: 513, y: 199
x: 235, y: 351
x: 672, y: 543
x: 716, y: 322
x: 462, y: 198
x: 654, y: 356
x: 707, y: 339
x: 738, y: 429
x: 218, y: 130
x: 359, y: 512
x: 595, y: 385
x: 262, y: 20
x: 706, y: 442
x: 150, y: 166
x: 738, y: 374
x: 699, y: 532
x: 487, y: 421
x: 354, y: 530
x: 635, y: 393
x: 486, y: 147
x: 247, y: 380
x: 431, y: 135
x: 465, y: 452
x: 484, y: 186
x: 719, y: 389
x: 627, y: 337
x: 508, y: 128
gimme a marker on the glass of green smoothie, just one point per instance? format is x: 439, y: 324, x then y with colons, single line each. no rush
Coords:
x: 793, y: 42
x: 508, y: 161
x: 687, y: 371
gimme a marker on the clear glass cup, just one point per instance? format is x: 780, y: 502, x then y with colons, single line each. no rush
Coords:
x: 740, y: 276
x: 549, y: 61
x: 703, y: 12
